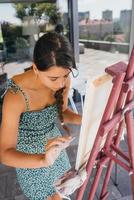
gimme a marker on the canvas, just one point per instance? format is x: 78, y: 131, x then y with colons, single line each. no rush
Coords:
x: 97, y: 92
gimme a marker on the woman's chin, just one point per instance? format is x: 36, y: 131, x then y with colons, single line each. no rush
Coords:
x: 54, y: 89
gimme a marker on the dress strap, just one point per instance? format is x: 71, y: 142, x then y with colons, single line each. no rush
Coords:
x: 15, y: 89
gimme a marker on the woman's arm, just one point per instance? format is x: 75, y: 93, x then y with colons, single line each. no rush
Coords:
x: 71, y: 117
x: 12, y: 157
x: 68, y: 115
x: 13, y: 106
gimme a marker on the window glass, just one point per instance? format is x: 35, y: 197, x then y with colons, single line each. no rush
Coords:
x: 21, y: 24
x: 105, y: 24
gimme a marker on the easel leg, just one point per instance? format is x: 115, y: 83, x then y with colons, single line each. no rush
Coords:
x: 95, y: 183
x: 110, y: 166
x: 116, y: 175
x: 90, y: 165
x: 130, y: 141
x: 132, y: 182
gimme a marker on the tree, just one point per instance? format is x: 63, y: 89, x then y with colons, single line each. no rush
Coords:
x: 10, y: 32
x: 117, y: 28
x: 109, y: 38
x: 46, y: 11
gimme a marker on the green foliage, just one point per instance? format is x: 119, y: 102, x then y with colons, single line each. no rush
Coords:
x: 109, y: 38
x: 21, y: 43
x: 89, y: 37
x: 93, y: 37
x: 117, y: 28
x: 10, y: 32
x: 38, y: 10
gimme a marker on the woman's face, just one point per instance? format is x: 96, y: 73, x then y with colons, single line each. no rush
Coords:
x: 54, y: 78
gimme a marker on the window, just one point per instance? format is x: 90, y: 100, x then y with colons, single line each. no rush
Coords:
x: 106, y: 25
x: 22, y: 24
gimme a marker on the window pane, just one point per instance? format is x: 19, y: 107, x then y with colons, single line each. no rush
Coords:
x: 21, y: 24
x: 106, y: 24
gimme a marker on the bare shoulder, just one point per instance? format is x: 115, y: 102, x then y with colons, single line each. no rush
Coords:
x: 13, y: 102
x: 19, y: 78
x: 11, y: 111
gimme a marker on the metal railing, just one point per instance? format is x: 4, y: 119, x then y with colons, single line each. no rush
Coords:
x: 106, y: 45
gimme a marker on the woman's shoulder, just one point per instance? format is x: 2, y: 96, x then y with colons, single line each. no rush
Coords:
x: 19, y: 79
x: 13, y: 96
x: 13, y: 101
x: 22, y: 80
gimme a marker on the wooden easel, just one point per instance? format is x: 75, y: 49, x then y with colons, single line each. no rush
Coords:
x: 118, y: 109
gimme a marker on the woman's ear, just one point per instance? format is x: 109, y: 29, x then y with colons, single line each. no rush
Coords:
x: 35, y: 69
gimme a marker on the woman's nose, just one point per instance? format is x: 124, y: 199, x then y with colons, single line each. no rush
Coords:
x: 62, y: 83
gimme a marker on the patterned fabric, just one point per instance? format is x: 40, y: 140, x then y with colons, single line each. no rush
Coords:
x: 35, y: 129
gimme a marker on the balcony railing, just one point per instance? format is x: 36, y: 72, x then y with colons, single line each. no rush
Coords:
x: 106, y: 45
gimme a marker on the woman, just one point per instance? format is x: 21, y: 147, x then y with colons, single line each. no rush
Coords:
x: 30, y: 139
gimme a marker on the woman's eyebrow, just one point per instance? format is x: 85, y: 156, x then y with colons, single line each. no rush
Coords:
x: 58, y: 76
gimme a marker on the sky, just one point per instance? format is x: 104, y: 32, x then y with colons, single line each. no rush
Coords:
x: 97, y: 6
x: 7, y: 12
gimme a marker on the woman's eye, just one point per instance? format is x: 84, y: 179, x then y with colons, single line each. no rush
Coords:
x: 66, y: 75
x: 53, y: 79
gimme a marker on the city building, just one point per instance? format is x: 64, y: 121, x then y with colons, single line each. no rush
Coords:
x: 107, y: 15
x: 83, y: 15
x: 125, y: 19
x: 95, y: 28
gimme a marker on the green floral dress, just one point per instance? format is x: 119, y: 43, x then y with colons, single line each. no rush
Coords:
x: 35, y: 129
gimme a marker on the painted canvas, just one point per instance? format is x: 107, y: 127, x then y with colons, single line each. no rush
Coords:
x: 97, y: 92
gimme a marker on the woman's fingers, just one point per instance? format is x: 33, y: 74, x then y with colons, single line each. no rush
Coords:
x: 62, y: 144
x: 54, y: 144
x: 58, y: 141
x: 62, y: 139
x: 51, y: 155
x: 59, y: 145
x: 54, y: 148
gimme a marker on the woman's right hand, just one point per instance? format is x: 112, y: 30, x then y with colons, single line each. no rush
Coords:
x: 54, y: 148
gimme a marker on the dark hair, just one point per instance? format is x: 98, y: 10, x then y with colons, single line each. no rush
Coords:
x: 53, y: 49
x: 59, y: 28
